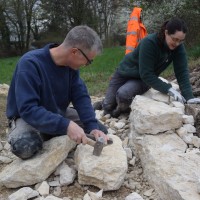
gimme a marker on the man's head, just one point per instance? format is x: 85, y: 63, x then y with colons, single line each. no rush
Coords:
x: 83, y: 44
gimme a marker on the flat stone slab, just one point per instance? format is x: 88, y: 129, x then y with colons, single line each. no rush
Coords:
x: 152, y: 117
x: 173, y: 173
x: 38, y: 168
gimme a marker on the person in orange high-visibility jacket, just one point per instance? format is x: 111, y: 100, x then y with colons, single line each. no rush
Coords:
x: 135, y: 30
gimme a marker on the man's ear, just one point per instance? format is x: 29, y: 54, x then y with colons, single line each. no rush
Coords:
x: 166, y: 32
x: 74, y: 50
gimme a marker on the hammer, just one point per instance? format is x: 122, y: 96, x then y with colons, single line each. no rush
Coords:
x: 97, y: 144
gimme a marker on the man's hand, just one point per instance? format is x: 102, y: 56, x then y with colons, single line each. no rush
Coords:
x: 193, y: 101
x: 98, y: 133
x: 176, y: 95
x: 76, y: 133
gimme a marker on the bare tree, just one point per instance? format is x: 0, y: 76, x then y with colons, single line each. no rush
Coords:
x: 48, y: 20
x: 4, y: 30
x: 29, y: 8
x: 19, y: 14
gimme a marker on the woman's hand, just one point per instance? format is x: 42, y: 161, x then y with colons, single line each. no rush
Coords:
x: 194, y: 101
x: 176, y: 95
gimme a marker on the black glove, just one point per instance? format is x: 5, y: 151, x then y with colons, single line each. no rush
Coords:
x: 176, y: 95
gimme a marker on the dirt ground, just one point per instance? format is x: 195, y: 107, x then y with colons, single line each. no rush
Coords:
x: 74, y: 190
x: 3, y: 120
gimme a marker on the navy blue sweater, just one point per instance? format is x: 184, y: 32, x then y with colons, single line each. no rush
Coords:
x: 41, y: 91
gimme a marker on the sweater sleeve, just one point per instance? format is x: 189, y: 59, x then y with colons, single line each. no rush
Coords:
x: 147, y: 65
x: 28, y: 98
x: 82, y: 103
x: 182, y: 72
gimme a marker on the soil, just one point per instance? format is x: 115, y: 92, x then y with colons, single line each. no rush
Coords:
x: 3, y: 120
x: 74, y: 190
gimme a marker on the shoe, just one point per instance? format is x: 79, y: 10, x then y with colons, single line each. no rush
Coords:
x: 97, y: 105
x: 115, y: 113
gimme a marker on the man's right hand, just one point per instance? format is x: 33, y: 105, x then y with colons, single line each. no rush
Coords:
x: 76, y: 133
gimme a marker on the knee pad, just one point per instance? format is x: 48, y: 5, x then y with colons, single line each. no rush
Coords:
x: 28, y: 145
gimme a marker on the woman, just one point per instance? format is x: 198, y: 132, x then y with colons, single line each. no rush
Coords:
x: 139, y: 70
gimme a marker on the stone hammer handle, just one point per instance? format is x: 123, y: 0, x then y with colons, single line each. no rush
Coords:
x: 90, y: 142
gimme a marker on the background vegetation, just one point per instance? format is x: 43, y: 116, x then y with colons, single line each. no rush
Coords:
x: 26, y: 24
x: 97, y: 75
x: 29, y: 24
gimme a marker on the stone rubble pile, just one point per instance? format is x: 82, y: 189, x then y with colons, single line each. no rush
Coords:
x: 195, y: 81
x: 155, y: 155
x: 116, y: 167
x: 165, y: 139
x: 110, y: 173
x: 4, y: 89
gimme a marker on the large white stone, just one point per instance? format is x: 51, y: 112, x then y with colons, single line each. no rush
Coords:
x: 37, y: 169
x: 106, y: 171
x: 173, y: 173
x: 157, y: 96
x: 152, y: 117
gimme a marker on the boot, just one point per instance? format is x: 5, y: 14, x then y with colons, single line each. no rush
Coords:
x: 115, y: 113
x: 97, y: 105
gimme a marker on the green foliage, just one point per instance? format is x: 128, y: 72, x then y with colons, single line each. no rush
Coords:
x: 155, y: 12
x: 194, y: 52
x: 7, y: 69
x: 97, y: 75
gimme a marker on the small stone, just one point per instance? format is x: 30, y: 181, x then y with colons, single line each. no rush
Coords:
x: 57, y: 191
x: 43, y: 189
x: 1, y: 146
x: 148, y: 193
x: 132, y: 162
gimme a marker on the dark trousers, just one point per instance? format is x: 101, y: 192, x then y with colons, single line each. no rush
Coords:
x: 121, y: 91
x: 25, y: 140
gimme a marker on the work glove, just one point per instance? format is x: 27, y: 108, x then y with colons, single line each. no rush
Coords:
x: 176, y: 95
x: 193, y: 101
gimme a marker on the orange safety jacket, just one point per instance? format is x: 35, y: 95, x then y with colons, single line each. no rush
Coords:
x: 135, y: 30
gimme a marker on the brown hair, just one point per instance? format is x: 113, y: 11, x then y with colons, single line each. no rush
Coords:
x: 173, y: 25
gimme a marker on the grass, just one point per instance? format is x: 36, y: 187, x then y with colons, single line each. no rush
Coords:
x: 96, y: 76
x: 7, y: 66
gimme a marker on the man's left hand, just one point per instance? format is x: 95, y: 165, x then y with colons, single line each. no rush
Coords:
x: 98, y: 133
x: 194, y: 101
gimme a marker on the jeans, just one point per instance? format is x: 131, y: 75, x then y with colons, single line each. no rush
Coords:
x: 26, y: 141
x: 120, y: 93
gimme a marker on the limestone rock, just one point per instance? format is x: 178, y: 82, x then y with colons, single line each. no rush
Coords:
x: 37, y: 169
x: 157, y: 96
x: 152, y: 117
x: 134, y: 196
x: 24, y: 194
x: 194, y: 110
x: 106, y: 171
x: 173, y: 173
